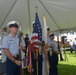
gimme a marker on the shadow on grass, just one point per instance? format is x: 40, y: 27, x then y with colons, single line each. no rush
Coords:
x: 66, y: 69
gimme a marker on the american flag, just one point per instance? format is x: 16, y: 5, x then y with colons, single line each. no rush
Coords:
x: 28, y: 59
x: 37, y: 27
x: 37, y: 32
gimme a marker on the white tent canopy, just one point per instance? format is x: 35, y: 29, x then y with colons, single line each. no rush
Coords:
x: 60, y: 14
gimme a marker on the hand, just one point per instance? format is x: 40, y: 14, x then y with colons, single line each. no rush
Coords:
x: 52, y: 46
x: 42, y: 44
x: 36, y: 42
x: 21, y: 47
x: 46, y: 57
x: 46, y: 46
x: 35, y: 57
x: 18, y: 62
x: 58, y: 52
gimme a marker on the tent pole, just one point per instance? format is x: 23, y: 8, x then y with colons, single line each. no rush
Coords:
x: 29, y: 15
x: 8, y: 14
x: 50, y: 15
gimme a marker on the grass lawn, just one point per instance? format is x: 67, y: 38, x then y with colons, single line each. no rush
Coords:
x: 67, y: 67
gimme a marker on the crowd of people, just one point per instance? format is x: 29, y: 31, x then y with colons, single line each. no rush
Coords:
x: 12, y: 44
x: 72, y: 45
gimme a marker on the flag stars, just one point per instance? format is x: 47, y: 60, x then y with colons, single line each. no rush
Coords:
x: 39, y: 33
x: 37, y: 27
x: 38, y: 30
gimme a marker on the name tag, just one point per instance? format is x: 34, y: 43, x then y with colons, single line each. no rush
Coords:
x: 11, y: 40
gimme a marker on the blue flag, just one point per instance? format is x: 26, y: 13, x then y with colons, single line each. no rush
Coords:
x: 37, y: 27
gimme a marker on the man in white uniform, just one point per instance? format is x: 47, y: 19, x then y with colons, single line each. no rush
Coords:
x: 11, y: 47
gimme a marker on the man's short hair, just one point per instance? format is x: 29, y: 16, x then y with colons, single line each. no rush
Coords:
x: 48, y: 29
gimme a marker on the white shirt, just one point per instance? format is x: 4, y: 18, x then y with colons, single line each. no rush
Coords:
x: 12, y: 44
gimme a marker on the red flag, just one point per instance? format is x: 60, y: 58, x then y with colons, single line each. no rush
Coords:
x: 34, y: 40
x: 29, y: 65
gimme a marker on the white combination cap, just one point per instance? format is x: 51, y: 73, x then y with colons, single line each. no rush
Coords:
x: 13, y: 24
x: 51, y: 34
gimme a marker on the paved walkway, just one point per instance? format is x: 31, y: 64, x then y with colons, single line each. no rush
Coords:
x: 2, y: 68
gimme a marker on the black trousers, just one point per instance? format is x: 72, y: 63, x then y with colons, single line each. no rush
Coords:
x: 53, y: 62
x: 34, y: 63
x: 12, y: 68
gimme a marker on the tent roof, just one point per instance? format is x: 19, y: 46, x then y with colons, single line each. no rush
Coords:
x: 60, y: 14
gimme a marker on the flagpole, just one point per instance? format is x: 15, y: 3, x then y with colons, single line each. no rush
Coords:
x: 37, y: 30
x: 36, y: 50
x: 45, y: 39
x: 20, y: 54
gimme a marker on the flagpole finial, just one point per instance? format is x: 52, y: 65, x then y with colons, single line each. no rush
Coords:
x: 36, y: 8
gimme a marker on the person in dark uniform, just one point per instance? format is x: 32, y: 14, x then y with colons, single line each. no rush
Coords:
x: 74, y: 45
x: 36, y: 56
x: 26, y: 39
x: 53, y: 55
x: 71, y: 46
x: 36, y: 49
x: 11, y: 47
